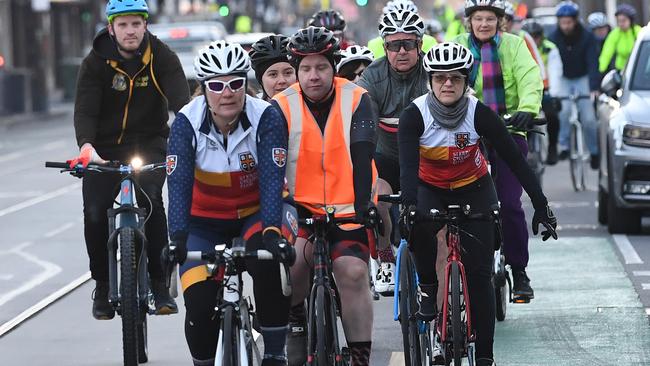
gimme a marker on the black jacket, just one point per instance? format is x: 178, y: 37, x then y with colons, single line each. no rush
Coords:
x: 578, y: 52
x: 123, y: 104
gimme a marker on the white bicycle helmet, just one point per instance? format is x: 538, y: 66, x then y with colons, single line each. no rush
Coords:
x: 354, y: 53
x: 597, y: 20
x: 401, y: 22
x: 509, y: 9
x: 221, y: 58
x: 404, y: 5
x: 448, y: 56
x: 497, y: 6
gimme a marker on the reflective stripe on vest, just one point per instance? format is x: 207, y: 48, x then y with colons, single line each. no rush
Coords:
x: 319, y: 165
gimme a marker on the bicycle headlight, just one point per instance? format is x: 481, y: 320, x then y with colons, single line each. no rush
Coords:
x: 636, y: 136
x: 136, y: 163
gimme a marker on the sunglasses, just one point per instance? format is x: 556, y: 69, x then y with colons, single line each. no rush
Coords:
x: 455, y: 79
x: 408, y: 44
x: 218, y: 86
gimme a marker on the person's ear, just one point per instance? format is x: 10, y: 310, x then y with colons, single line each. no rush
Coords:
x: 110, y: 29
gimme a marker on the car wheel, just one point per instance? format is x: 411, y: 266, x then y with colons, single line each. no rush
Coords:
x: 602, y: 205
x: 621, y: 220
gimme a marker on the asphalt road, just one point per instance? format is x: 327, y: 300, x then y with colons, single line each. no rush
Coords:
x: 592, y: 290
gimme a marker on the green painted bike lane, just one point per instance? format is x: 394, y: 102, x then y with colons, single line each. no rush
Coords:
x: 585, y: 310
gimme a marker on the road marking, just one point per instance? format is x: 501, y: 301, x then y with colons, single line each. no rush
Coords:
x: 6, y: 277
x: 396, y: 359
x: 647, y: 311
x: 49, y: 270
x: 569, y: 204
x: 11, y: 156
x: 59, y: 230
x: 641, y: 273
x: 627, y: 250
x: 39, y: 199
x: 645, y: 286
x: 9, y: 325
x: 54, y: 145
x: 20, y: 194
x: 577, y: 227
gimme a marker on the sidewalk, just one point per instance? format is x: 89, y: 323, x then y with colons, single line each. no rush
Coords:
x: 585, y: 310
x: 56, y: 110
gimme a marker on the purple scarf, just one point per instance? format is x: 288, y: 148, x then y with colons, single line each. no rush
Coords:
x: 487, y: 57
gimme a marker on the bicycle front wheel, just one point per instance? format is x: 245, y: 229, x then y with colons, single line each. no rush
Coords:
x: 324, y: 351
x: 129, y: 304
x: 229, y: 333
x: 407, y: 309
x: 576, y: 159
x: 457, y: 337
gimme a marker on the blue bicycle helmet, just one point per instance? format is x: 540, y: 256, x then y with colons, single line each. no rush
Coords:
x: 122, y: 7
x: 627, y: 10
x: 567, y: 9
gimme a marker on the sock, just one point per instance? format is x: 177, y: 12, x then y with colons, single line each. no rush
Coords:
x: 274, y: 342
x: 360, y: 353
x: 386, y: 255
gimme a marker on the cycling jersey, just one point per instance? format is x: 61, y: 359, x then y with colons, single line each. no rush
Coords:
x: 620, y: 44
x: 376, y: 45
x: 215, y: 178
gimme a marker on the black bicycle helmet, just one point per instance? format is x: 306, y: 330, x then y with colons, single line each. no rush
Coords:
x: 496, y: 6
x: 268, y: 51
x: 627, y: 10
x: 533, y: 28
x: 314, y: 41
x: 330, y: 19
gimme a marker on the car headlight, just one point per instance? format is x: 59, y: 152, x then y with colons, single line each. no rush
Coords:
x: 636, y: 136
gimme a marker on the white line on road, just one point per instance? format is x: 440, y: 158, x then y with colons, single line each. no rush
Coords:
x: 577, y: 227
x: 396, y: 359
x: 647, y: 311
x: 20, y: 194
x: 11, y: 156
x: 19, y: 154
x: 641, y: 273
x: 39, y: 199
x: 627, y: 250
x: 60, y: 229
x: 6, y: 277
x: 6, y: 327
x: 645, y: 286
x: 49, y: 270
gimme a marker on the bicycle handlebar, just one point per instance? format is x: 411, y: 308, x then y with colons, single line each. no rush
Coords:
x: 457, y: 214
x: 111, y: 167
x: 390, y: 198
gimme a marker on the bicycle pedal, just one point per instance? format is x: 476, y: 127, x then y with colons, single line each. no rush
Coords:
x: 521, y: 300
x: 387, y: 293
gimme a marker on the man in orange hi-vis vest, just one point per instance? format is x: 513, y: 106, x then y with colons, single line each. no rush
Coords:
x: 332, y: 138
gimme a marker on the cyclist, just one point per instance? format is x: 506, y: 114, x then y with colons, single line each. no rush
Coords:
x: 512, y: 24
x: 599, y: 26
x: 551, y: 59
x: 270, y: 61
x: 434, y: 29
x: 505, y: 78
x: 621, y: 40
x: 392, y: 83
x: 354, y: 61
x: 580, y: 76
x: 334, y: 21
x: 321, y: 104
x: 442, y: 164
x: 376, y: 45
x: 121, y: 108
x: 226, y: 163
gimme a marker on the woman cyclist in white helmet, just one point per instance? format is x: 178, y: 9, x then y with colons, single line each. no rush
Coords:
x: 441, y: 163
x: 226, y: 167
x: 353, y: 61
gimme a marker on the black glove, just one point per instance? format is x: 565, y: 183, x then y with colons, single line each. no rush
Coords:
x: 368, y: 216
x: 521, y: 120
x: 545, y: 217
x: 281, y: 249
x: 406, y: 220
x: 178, y: 249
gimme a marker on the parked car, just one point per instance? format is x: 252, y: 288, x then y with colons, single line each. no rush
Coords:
x: 624, y: 130
x: 186, y: 39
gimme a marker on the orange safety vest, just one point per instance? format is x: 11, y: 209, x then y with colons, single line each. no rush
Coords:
x: 319, y: 165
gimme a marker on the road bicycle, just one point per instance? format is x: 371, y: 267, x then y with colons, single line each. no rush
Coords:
x: 236, y: 345
x: 578, y: 155
x: 129, y: 285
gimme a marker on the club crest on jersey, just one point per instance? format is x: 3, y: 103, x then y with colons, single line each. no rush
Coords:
x: 247, y: 161
x: 462, y: 140
x: 280, y: 156
x: 170, y: 165
x: 119, y: 82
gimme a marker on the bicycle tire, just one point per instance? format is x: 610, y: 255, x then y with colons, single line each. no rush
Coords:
x: 129, y: 304
x: 246, y: 325
x: 576, y: 161
x: 143, y: 349
x: 407, y: 310
x: 501, y: 294
x: 321, y: 319
x: 229, y: 338
x: 457, y: 337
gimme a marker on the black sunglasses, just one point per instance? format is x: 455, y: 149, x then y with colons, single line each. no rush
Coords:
x: 408, y: 44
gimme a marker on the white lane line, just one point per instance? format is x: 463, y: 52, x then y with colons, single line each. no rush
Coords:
x: 54, y: 145
x: 39, y: 199
x: 577, y: 227
x: 647, y: 311
x: 396, y: 359
x: 6, y: 277
x: 627, y: 250
x: 49, y: 270
x: 9, y: 325
x: 20, y: 194
x: 60, y: 229
x: 645, y: 286
x: 11, y: 156
x: 641, y: 273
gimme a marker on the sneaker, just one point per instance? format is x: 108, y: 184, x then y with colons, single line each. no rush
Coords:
x: 551, y: 158
x: 385, y: 279
x: 102, y: 309
x: 297, y: 336
x: 438, y: 358
x: 564, y: 154
x: 485, y: 362
x: 521, y: 288
x: 594, y: 162
x: 427, y: 299
x: 165, y: 304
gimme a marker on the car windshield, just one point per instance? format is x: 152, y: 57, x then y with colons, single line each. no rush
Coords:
x: 641, y: 73
x: 185, y: 45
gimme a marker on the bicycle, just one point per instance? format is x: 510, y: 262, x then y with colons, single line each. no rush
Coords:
x: 323, y: 347
x: 453, y: 328
x: 129, y: 291
x: 537, y: 144
x: 577, y: 154
x: 236, y: 345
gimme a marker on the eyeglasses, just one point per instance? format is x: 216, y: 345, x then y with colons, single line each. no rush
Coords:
x: 408, y: 44
x: 218, y: 86
x: 488, y: 20
x: 442, y: 78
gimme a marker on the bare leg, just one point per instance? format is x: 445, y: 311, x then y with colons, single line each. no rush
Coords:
x: 351, y: 276
x: 300, y: 271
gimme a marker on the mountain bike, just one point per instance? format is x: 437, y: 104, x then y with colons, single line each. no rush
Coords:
x: 323, y: 347
x: 578, y: 155
x: 236, y: 345
x: 129, y: 289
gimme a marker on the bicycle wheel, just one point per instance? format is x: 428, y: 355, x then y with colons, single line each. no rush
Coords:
x: 457, y: 337
x: 407, y: 309
x: 324, y: 354
x: 576, y: 160
x: 129, y: 304
x: 229, y: 334
x: 143, y: 350
x: 501, y: 289
x: 246, y: 325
